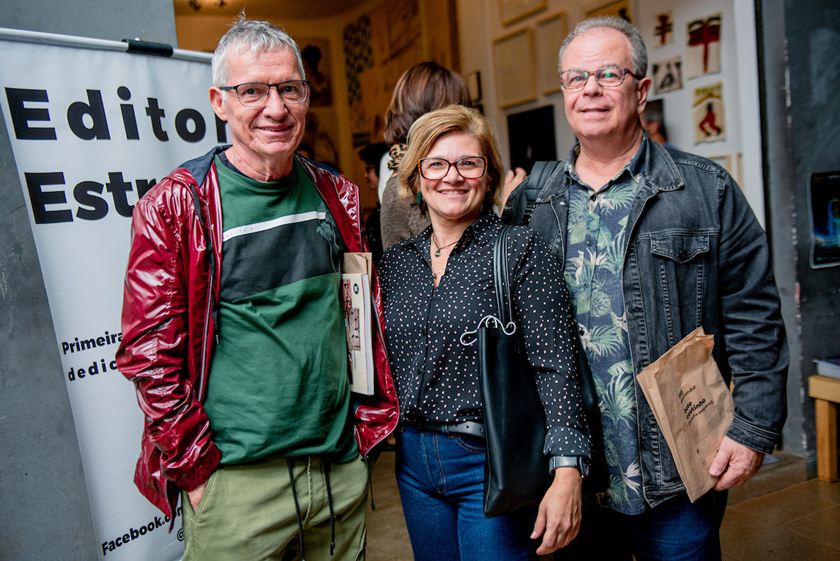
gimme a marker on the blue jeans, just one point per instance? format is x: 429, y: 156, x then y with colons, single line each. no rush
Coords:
x: 675, y: 530
x: 441, y: 482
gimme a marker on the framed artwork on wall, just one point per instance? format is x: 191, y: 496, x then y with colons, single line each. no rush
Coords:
x: 667, y: 75
x: 514, y: 10
x: 664, y: 28
x: 513, y: 61
x: 550, y: 34
x: 315, y: 54
x: 702, y: 54
x: 621, y: 9
x: 724, y: 161
x: 709, y: 114
x: 473, y: 81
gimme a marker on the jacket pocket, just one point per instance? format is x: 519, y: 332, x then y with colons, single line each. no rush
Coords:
x: 680, y: 262
x: 679, y: 247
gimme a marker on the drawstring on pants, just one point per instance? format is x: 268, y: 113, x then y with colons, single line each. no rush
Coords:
x: 291, y: 465
x: 327, y: 466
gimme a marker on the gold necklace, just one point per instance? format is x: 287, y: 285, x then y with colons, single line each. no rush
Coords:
x: 439, y: 247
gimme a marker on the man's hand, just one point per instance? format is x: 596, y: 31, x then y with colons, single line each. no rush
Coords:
x: 734, y: 463
x: 558, y: 520
x: 196, y: 495
x: 512, y: 180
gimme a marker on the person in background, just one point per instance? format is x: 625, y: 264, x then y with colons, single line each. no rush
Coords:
x: 371, y: 154
x: 436, y: 286
x: 653, y: 121
x: 233, y: 333
x: 424, y: 87
x: 656, y: 243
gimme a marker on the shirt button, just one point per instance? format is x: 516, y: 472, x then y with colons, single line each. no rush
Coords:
x: 589, y: 242
x: 593, y: 198
x: 581, y: 331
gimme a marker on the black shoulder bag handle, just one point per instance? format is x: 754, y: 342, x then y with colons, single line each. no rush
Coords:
x: 516, y: 470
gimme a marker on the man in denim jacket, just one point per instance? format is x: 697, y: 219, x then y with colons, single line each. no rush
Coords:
x: 655, y: 242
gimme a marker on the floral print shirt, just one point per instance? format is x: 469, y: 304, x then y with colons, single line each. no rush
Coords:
x: 596, y: 244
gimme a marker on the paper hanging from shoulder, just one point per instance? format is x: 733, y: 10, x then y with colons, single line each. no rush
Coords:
x: 356, y: 303
x: 692, y: 406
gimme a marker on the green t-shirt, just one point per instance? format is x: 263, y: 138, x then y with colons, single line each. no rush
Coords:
x: 278, y: 382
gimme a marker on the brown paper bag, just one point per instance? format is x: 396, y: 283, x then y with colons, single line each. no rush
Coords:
x: 692, y: 406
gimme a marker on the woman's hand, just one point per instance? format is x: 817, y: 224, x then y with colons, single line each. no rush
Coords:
x: 558, y: 520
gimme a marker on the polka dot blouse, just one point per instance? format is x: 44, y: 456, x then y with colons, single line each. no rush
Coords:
x: 435, y: 375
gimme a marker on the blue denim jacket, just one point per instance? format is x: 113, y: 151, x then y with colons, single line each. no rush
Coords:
x: 696, y: 256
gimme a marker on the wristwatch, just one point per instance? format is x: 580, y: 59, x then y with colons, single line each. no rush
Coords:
x: 578, y: 462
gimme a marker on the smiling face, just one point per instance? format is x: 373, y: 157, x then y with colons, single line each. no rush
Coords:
x: 264, y: 138
x: 453, y: 199
x: 595, y: 111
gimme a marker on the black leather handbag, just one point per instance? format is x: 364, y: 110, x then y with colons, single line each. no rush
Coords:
x: 516, y: 470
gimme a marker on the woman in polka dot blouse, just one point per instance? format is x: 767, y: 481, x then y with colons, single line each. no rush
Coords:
x: 435, y: 287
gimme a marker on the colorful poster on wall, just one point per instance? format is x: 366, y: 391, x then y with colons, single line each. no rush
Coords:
x: 702, y: 54
x: 824, y: 214
x: 667, y: 75
x: 663, y: 29
x: 709, y: 114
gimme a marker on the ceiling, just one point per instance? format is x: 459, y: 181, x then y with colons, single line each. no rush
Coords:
x: 266, y: 9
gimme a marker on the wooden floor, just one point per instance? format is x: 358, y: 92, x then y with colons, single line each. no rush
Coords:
x: 800, y: 522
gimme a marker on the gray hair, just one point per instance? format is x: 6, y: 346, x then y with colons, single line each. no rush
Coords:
x: 256, y: 36
x: 637, y: 45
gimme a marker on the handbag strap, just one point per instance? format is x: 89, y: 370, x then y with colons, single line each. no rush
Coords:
x: 501, y: 280
x: 501, y: 277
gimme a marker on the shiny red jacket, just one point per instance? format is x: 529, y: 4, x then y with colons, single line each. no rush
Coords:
x: 171, y: 293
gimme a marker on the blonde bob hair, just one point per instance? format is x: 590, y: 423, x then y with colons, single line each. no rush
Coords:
x: 430, y: 127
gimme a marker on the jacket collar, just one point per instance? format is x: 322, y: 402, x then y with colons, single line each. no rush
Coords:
x: 657, y: 168
x: 198, y: 168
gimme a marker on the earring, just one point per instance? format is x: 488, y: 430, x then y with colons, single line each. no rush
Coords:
x: 418, y: 200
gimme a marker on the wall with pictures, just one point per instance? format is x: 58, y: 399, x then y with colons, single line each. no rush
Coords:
x: 699, y: 73
x: 353, y: 60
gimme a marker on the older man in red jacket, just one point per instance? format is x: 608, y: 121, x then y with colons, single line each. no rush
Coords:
x: 233, y: 334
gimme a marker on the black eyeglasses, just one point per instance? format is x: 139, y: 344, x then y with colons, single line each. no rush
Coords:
x: 607, y: 77
x: 470, y: 167
x: 255, y: 94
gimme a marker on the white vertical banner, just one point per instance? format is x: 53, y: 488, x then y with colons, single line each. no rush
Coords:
x: 92, y: 127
